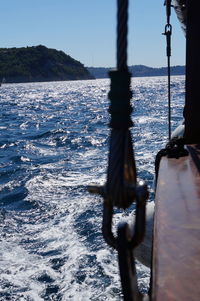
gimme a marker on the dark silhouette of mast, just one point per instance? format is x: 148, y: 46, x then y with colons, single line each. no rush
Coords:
x: 192, y: 102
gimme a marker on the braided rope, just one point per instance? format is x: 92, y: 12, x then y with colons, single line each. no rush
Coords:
x: 121, y: 188
x: 121, y: 169
x: 122, y: 31
x: 121, y: 165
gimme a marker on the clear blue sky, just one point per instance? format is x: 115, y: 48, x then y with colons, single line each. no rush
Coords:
x: 85, y: 29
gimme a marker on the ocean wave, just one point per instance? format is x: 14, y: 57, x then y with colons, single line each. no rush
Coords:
x: 54, y: 143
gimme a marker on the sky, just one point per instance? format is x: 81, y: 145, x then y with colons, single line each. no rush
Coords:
x: 86, y: 30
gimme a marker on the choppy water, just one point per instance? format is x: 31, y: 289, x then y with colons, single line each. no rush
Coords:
x: 53, y: 143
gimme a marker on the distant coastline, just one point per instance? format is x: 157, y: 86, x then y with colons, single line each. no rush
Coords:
x: 138, y: 71
x: 40, y: 64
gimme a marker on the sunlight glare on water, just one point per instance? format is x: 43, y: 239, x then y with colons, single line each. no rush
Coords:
x: 53, y: 143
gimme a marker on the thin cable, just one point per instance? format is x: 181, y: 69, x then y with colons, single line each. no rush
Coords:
x: 169, y: 81
x: 168, y: 33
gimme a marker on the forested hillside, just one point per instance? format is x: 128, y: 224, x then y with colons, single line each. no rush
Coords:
x: 39, y: 63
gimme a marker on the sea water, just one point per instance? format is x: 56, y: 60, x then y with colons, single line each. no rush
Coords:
x: 53, y: 143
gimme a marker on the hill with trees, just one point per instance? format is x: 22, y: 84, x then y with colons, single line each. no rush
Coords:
x: 39, y: 63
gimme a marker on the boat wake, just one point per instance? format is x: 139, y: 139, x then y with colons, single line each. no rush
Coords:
x: 53, y: 144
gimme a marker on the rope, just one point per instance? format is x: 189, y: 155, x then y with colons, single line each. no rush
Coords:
x: 121, y: 188
x: 121, y: 169
x: 122, y: 31
x: 174, y: 149
x: 121, y: 165
x: 120, y: 108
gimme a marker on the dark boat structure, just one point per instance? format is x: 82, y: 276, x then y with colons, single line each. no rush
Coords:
x: 176, y: 239
x: 175, y: 256
x: 180, y: 8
